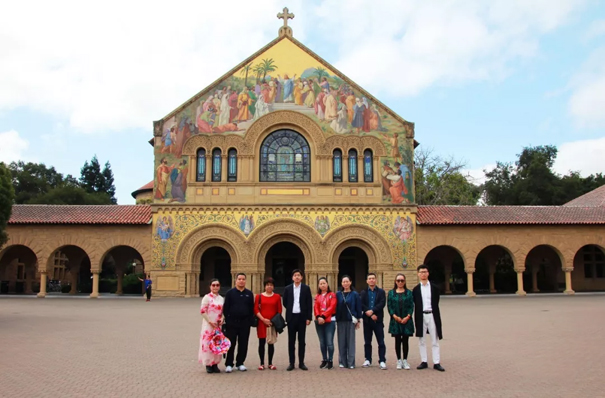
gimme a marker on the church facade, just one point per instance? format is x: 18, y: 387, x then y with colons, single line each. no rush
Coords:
x: 285, y: 163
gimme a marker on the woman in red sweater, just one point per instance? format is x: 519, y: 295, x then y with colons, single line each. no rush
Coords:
x: 266, y: 305
x: 325, y: 321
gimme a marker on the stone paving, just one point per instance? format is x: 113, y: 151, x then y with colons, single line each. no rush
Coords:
x: 539, y: 346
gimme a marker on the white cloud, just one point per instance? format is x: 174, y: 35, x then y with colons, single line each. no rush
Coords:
x: 596, y: 29
x: 585, y: 157
x: 587, y: 101
x: 477, y: 176
x: 12, y: 146
x: 122, y: 64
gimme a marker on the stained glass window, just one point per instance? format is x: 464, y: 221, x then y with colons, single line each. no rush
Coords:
x: 216, y: 165
x: 368, y: 175
x: 200, y: 175
x: 352, y: 165
x: 232, y: 169
x: 285, y: 156
x: 337, y: 165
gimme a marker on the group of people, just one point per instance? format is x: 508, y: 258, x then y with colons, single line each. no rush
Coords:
x: 342, y: 313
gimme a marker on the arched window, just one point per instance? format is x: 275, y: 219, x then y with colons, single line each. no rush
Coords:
x: 232, y: 169
x: 216, y: 165
x: 285, y: 156
x: 337, y: 165
x: 352, y: 165
x: 368, y: 171
x: 200, y: 174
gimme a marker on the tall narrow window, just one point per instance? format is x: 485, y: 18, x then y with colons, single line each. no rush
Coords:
x: 216, y: 165
x: 368, y: 175
x: 200, y: 175
x: 352, y: 165
x: 232, y: 169
x: 337, y: 165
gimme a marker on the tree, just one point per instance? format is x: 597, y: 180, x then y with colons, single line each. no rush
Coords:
x: 7, y: 197
x: 440, y: 181
x: 108, y: 185
x: 32, y: 179
x: 245, y: 70
x: 531, y: 180
x: 71, y: 195
x: 268, y: 65
x: 258, y: 70
x: 321, y: 72
x: 93, y: 180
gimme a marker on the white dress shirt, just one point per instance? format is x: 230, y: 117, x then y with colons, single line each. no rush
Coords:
x: 296, y: 305
x: 425, y: 290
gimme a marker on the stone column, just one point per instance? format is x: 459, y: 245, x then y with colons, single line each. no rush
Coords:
x: 492, y: 278
x: 448, y: 274
x: 469, y: 278
x: 74, y: 281
x: 42, y: 293
x: 95, y: 284
x: 534, y: 279
x: 568, y: 289
x: 224, y: 166
x: 520, y: 290
x: 119, y: 289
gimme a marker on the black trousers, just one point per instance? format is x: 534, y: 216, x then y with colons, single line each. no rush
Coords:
x: 237, y: 334
x: 297, y: 325
x: 148, y: 293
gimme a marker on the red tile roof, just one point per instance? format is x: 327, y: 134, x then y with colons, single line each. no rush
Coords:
x: 594, y: 198
x: 146, y: 187
x: 104, y: 214
x: 510, y: 215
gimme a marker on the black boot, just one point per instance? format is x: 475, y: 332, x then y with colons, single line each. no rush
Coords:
x: 215, y: 369
x: 323, y: 364
x: 330, y: 365
x: 209, y: 369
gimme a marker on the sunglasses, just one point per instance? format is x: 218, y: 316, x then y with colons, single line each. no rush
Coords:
x: 215, y: 284
x: 400, y: 280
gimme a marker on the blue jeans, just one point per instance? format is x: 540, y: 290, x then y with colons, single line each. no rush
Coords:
x: 325, y: 333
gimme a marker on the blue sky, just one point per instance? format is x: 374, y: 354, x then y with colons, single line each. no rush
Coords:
x: 480, y: 80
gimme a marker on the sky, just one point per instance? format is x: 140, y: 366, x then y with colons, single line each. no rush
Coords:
x: 480, y: 79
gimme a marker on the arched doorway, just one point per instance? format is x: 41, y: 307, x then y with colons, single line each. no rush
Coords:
x: 589, y: 269
x: 281, y: 259
x: 353, y: 261
x: 121, y: 269
x: 543, y: 270
x: 69, y: 271
x: 18, y: 267
x: 446, y: 269
x: 215, y: 263
x: 494, y: 271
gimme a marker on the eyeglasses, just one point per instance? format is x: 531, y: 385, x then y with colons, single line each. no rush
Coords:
x: 216, y: 284
x: 399, y: 280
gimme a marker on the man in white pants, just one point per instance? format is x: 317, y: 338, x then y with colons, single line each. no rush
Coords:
x: 427, y: 317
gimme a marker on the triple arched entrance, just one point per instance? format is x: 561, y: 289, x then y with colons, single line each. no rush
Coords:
x: 494, y: 270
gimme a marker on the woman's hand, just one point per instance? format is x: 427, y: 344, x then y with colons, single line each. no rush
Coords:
x: 214, y: 326
x: 267, y: 322
x: 321, y: 321
x: 404, y: 320
x: 357, y: 325
x: 219, y: 322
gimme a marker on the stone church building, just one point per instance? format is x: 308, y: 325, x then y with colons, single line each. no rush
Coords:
x: 285, y: 163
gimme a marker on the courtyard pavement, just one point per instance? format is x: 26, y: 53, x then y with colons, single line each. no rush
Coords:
x: 539, y: 346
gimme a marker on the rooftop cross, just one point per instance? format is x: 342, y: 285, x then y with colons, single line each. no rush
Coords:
x: 285, y: 15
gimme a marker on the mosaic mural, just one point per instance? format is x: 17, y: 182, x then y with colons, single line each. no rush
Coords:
x: 398, y: 230
x: 284, y: 77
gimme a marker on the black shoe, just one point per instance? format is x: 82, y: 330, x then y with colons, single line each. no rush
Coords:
x: 290, y: 367
x: 423, y: 365
x: 215, y: 369
x: 302, y: 366
x: 330, y: 365
x: 438, y: 367
x: 209, y: 369
x: 323, y: 364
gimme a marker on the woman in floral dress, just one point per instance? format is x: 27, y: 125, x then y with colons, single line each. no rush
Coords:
x: 212, y: 318
x: 401, y: 306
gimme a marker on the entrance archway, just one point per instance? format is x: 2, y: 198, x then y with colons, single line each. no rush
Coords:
x: 446, y: 269
x: 215, y: 263
x: 281, y: 259
x: 353, y: 261
x: 18, y: 267
x: 494, y: 271
x: 69, y: 271
x: 543, y: 270
x: 121, y: 267
x: 589, y: 269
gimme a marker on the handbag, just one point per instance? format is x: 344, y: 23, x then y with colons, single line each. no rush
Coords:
x: 271, y: 335
x: 279, y: 323
x: 354, y: 320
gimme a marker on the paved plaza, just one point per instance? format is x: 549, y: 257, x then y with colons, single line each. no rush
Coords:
x: 539, y: 346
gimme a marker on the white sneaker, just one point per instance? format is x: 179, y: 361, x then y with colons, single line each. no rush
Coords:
x: 406, y: 365
x: 366, y: 364
x: 399, y: 364
x: 228, y: 369
x: 242, y: 368
x: 383, y: 366
x: 351, y: 367
x: 341, y: 366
